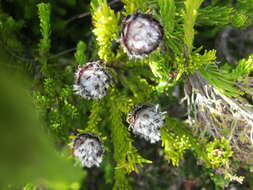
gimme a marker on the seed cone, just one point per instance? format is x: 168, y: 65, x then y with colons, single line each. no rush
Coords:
x: 146, y: 121
x: 141, y: 34
x: 88, y: 148
x: 92, y: 81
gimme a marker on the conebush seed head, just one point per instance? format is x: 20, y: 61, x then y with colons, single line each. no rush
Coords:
x: 92, y: 81
x: 88, y: 149
x: 146, y: 121
x: 141, y: 34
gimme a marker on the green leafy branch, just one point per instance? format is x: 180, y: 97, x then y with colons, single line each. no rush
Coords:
x: 195, y: 62
x: 225, y: 81
x: 106, y: 24
x: 133, y: 6
x: 244, y: 68
x: 219, y: 152
x: 45, y: 28
x: 79, y: 55
x: 94, y: 118
x: 174, y: 145
x: 167, y: 13
x: 125, y: 154
x: 214, y: 15
x: 190, y: 15
x: 221, y: 16
x: 176, y: 139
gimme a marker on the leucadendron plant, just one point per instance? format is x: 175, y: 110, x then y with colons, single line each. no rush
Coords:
x: 144, y: 87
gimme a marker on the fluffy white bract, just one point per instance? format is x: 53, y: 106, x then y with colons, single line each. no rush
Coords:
x: 141, y: 34
x: 146, y: 121
x: 88, y: 149
x: 92, y: 81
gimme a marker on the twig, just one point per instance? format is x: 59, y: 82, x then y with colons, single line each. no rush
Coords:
x: 85, y: 14
x: 62, y: 53
x: 77, y: 17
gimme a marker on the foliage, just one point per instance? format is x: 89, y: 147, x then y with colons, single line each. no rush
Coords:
x: 190, y: 15
x: 222, y: 81
x: 133, y: 6
x: 175, y: 141
x: 244, y: 68
x: 125, y: 154
x: 79, y: 55
x: 167, y: 13
x: 226, y: 80
x: 106, y: 28
x: 219, y: 95
x: 44, y: 16
x: 195, y: 62
x: 214, y: 15
x: 219, y: 152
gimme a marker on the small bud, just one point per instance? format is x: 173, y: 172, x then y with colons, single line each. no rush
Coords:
x: 88, y: 148
x: 146, y: 121
x: 92, y: 81
x: 141, y: 34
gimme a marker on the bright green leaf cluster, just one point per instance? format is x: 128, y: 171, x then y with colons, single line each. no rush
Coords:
x: 244, y: 68
x: 195, y: 62
x: 174, y: 146
x: 80, y: 55
x: 190, y: 16
x: 30, y: 187
x: 106, y: 24
x: 244, y: 16
x: 219, y: 152
x: 239, y: 19
x: 45, y: 41
x: 171, y: 22
x: 167, y: 13
x: 133, y: 6
x: 220, y: 80
x: 214, y: 15
x: 45, y: 28
x: 159, y: 66
x: 176, y: 139
x: 94, y: 119
x: 227, y: 82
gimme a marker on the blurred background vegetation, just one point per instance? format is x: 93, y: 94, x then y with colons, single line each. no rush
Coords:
x: 41, y: 46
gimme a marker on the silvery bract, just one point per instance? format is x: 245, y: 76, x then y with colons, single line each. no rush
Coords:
x: 92, y: 81
x: 141, y: 34
x: 146, y: 121
x: 88, y: 149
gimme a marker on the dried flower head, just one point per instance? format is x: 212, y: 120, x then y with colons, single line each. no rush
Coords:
x: 88, y: 148
x: 141, y: 34
x: 92, y: 81
x: 146, y: 121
